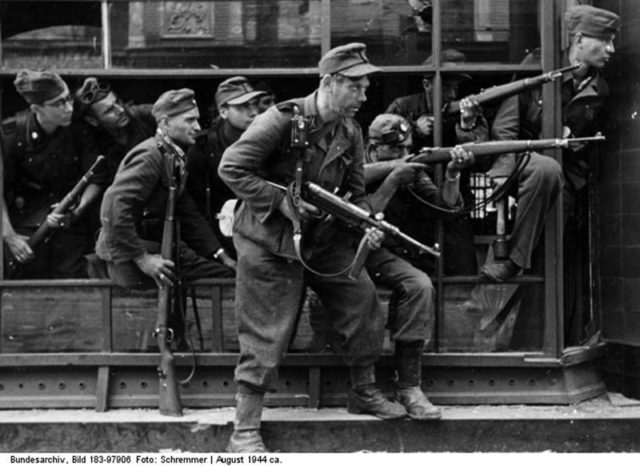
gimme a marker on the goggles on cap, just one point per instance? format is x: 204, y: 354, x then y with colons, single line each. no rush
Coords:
x: 92, y: 91
x: 395, y: 135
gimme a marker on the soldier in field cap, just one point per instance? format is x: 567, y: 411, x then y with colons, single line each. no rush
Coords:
x: 584, y: 91
x: 133, y: 208
x: 43, y: 161
x: 237, y: 104
x: 270, y: 274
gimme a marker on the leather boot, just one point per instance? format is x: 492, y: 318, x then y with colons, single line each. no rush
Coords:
x: 408, y: 391
x: 365, y: 398
x: 246, y: 433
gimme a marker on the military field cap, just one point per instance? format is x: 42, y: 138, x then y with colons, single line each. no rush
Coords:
x: 349, y: 60
x: 36, y: 87
x: 389, y: 128
x: 591, y: 21
x: 236, y: 91
x: 174, y: 102
x: 449, y: 57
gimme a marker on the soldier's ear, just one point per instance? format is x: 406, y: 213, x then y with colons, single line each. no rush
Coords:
x: 325, y: 81
x: 223, y: 111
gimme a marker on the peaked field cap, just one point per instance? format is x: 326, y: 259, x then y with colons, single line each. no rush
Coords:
x: 174, y: 102
x: 591, y: 21
x: 389, y: 128
x: 236, y: 91
x: 449, y: 57
x: 36, y: 87
x: 349, y: 60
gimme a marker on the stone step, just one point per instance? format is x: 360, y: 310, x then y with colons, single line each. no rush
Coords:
x: 606, y: 424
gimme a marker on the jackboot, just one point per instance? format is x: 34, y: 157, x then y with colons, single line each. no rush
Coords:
x: 246, y: 432
x: 408, y: 391
x: 365, y: 398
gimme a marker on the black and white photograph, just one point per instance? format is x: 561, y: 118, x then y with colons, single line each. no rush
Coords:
x: 241, y: 231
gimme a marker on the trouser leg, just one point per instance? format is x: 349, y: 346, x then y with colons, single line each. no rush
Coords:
x: 268, y: 293
x: 539, y: 185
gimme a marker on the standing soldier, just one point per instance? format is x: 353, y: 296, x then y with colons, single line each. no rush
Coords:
x: 271, y: 274
x: 237, y: 107
x: 584, y: 92
x: 42, y: 163
x: 133, y: 208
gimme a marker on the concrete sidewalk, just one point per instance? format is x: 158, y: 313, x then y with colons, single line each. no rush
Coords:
x: 606, y: 424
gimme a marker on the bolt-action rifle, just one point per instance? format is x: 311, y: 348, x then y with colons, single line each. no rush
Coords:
x: 431, y: 155
x: 70, y: 199
x: 353, y: 215
x: 503, y: 91
x: 168, y: 394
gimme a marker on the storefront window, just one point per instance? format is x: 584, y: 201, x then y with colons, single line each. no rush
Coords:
x: 216, y: 34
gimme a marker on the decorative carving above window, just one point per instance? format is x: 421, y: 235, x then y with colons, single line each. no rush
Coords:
x: 187, y: 20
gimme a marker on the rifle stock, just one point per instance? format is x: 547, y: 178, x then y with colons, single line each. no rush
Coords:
x: 168, y: 394
x: 431, y: 155
x: 45, y: 230
x: 66, y: 203
x: 509, y: 89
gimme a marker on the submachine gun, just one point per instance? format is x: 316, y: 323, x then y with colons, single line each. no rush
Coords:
x: 168, y: 394
x: 336, y: 207
x: 503, y: 91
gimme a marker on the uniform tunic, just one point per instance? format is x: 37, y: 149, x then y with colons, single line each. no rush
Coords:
x: 132, y: 216
x: 459, y: 251
x: 270, y: 278
x: 520, y: 117
x: 204, y: 185
x: 40, y: 169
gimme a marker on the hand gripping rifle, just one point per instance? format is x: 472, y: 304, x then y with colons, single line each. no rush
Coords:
x: 45, y: 230
x: 507, y: 90
x: 431, y: 155
x: 353, y: 215
x: 168, y: 394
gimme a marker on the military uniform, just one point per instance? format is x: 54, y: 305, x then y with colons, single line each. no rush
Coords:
x: 459, y: 251
x: 520, y: 117
x: 263, y: 236
x: 204, y: 184
x: 132, y: 214
x: 40, y: 169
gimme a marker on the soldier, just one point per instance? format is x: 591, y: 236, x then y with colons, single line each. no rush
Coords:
x: 271, y: 275
x: 43, y: 161
x: 115, y: 126
x: 417, y: 109
x: 267, y: 99
x: 237, y: 104
x: 389, y: 178
x: 133, y: 208
x: 584, y: 91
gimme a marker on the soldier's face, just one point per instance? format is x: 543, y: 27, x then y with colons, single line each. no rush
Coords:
x: 240, y: 116
x: 57, y: 111
x: 393, y: 151
x: 109, y: 113
x: 182, y: 129
x: 594, y: 51
x: 346, y: 96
